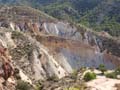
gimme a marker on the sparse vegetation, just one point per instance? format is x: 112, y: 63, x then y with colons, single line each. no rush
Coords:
x: 23, y: 45
x: 38, y: 87
x: 83, y: 69
x: 21, y: 85
x: 72, y: 88
x: 53, y: 78
x: 74, y: 74
x: 16, y: 34
x: 102, y: 68
x: 111, y: 75
x: 89, y: 76
x: 117, y: 71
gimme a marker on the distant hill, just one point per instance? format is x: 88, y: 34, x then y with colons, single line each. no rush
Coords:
x: 106, y: 16
x: 18, y: 13
x: 101, y: 15
x: 70, y: 9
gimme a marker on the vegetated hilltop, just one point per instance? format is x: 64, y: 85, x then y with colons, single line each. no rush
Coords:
x: 105, y: 16
x: 16, y: 13
x: 101, y: 15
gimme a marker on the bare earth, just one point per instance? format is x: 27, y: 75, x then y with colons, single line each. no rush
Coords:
x: 103, y: 83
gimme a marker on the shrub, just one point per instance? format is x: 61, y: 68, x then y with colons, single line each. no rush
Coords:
x: 38, y: 87
x: 16, y: 71
x: 16, y: 34
x: 114, y: 74
x: 21, y: 85
x: 89, y: 76
x: 111, y: 75
x: 53, y: 78
x: 74, y: 74
x: 72, y: 88
x: 102, y: 68
x: 117, y: 71
x: 83, y: 69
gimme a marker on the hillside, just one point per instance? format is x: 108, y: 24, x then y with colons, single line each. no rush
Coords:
x: 70, y: 10
x: 105, y: 17
x: 42, y: 53
x: 16, y: 12
x: 100, y: 15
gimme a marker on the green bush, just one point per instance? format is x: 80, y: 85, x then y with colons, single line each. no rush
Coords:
x: 111, y: 75
x: 117, y: 71
x: 89, y: 76
x: 102, y: 68
x: 114, y: 74
x: 21, y: 85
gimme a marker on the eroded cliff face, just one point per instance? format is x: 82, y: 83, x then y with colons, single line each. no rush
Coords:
x: 45, y: 53
x: 41, y: 49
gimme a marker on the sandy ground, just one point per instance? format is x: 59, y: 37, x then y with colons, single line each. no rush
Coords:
x: 103, y: 83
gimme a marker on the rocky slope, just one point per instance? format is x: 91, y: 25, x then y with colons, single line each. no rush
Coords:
x: 45, y: 47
